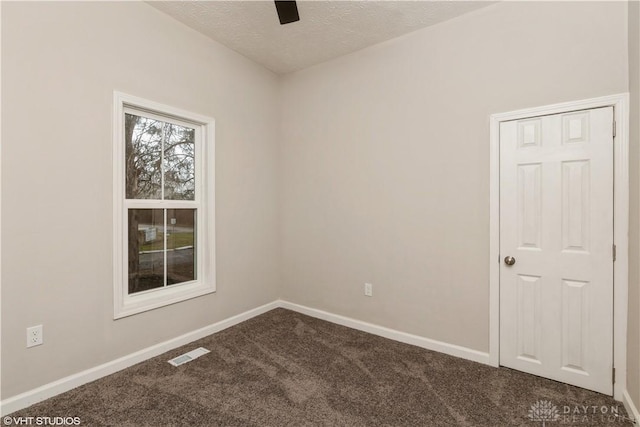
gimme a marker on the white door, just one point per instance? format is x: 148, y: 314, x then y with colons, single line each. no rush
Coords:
x: 556, y: 222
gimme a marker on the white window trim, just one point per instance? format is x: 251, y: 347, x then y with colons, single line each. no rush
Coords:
x: 123, y: 303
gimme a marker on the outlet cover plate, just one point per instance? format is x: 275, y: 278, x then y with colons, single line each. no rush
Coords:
x: 34, y: 336
x: 368, y: 289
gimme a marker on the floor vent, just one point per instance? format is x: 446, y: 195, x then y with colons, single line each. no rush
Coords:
x: 188, y: 357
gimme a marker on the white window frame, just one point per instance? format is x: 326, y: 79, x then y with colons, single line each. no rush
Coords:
x: 125, y: 304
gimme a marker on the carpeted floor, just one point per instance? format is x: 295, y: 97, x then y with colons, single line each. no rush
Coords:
x: 286, y: 369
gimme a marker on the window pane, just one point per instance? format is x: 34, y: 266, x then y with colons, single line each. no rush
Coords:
x: 181, y: 245
x: 179, y: 163
x: 143, y: 142
x: 146, y: 249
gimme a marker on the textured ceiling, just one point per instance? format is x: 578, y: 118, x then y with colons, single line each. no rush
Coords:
x: 326, y: 29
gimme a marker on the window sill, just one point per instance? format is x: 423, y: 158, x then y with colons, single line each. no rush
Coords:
x: 134, y: 304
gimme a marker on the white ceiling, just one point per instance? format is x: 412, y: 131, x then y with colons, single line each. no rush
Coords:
x: 327, y: 29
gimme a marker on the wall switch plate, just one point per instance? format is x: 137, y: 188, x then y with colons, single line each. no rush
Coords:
x: 368, y: 289
x: 34, y: 336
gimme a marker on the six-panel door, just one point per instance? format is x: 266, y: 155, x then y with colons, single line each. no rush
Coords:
x: 556, y: 220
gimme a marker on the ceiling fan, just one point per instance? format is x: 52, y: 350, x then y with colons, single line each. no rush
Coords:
x: 287, y: 11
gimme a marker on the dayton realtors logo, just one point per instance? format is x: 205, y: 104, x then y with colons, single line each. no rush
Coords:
x: 544, y: 411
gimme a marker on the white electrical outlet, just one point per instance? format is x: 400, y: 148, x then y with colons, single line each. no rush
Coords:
x: 34, y: 336
x: 368, y: 289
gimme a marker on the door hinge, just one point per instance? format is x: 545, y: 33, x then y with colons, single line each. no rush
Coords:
x: 613, y: 375
x: 613, y: 252
x: 614, y: 128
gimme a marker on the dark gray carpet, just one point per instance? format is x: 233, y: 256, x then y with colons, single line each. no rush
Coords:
x: 286, y: 369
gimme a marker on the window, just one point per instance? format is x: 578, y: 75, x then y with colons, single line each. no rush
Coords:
x: 164, y: 237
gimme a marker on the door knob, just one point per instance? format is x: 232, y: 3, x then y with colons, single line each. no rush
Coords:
x: 509, y: 260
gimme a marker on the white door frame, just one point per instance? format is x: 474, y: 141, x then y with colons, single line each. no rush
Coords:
x: 620, y: 103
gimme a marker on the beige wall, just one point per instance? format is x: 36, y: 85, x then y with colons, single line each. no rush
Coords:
x: 377, y: 170
x: 385, y: 158
x: 633, y: 338
x: 61, y: 63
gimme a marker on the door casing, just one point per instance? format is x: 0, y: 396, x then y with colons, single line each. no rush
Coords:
x: 620, y: 103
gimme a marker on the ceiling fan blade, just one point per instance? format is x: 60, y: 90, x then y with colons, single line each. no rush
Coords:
x: 287, y: 11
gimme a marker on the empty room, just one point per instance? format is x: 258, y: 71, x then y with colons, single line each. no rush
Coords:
x: 336, y: 213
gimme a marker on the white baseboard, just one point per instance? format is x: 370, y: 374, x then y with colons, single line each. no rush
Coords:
x: 631, y: 408
x: 46, y: 391
x: 429, y: 344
